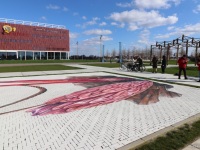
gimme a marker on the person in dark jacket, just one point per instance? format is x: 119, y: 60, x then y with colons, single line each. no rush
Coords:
x: 140, y: 62
x: 155, y: 64
x: 163, y: 64
x: 182, y: 62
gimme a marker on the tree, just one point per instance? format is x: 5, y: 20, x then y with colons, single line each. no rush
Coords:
x: 128, y: 54
x: 113, y: 53
x: 182, y: 51
x: 124, y: 54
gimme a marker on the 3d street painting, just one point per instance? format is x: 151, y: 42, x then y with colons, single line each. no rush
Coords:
x: 92, y: 111
x: 100, y: 90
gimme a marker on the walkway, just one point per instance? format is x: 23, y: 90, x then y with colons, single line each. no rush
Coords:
x: 117, y: 125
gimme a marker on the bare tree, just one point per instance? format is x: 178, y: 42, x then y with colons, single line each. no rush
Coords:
x: 113, y: 53
x: 182, y: 51
x: 128, y: 54
x: 124, y: 54
x: 133, y: 52
x: 107, y: 54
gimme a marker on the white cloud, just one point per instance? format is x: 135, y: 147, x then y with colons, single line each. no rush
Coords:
x: 197, y: 9
x: 103, y: 24
x: 170, y: 28
x: 97, y: 32
x: 65, y: 9
x: 150, y: 4
x: 92, y: 22
x: 84, y: 17
x: 54, y: 7
x: 176, y: 2
x: 187, y: 30
x: 195, y: 1
x: 119, y: 25
x: 73, y: 35
x: 114, y: 24
x: 133, y: 26
x: 75, y: 14
x: 144, y: 37
x: 43, y: 18
x: 125, y: 4
x: 136, y: 19
x: 164, y: 36
x: 78, y: 25
x: 96, y: 40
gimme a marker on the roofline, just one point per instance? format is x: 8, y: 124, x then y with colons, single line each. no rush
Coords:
x: 12, y: 21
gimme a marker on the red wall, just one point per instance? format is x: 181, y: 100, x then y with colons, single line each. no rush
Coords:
x: 34, y: 38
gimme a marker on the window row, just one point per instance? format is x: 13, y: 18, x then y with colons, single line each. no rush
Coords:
x: 16, y: 40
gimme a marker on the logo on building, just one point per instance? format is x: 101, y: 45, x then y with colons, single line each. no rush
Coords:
x: 8, y: 29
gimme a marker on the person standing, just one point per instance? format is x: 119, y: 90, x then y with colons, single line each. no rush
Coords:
x: 182, y: 62
x: 155, y: 63
x: 163, y: 64
x: 198, y: 64
x: 140, y: 62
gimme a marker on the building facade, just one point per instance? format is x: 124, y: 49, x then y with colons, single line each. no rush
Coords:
x: 31, y: 40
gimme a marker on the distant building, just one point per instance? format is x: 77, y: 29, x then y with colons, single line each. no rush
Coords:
x: 31, y: 40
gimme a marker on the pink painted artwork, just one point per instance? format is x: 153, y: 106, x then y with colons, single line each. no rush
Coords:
x: 99, y: 91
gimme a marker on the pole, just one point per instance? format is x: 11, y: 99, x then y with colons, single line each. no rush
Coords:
x: 187, y: 48
x: 103, y: 54
x: 120, y: 54
x: 151, y: 52
x: 100, y: 49
x: 77, y: 49
x: 177, y: 54
x: 160, y: 52
x: 196, y: 54
x: 168, y: 48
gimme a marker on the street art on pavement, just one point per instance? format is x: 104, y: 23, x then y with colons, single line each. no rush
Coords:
x: 93, y: 111
x: 100, y: 91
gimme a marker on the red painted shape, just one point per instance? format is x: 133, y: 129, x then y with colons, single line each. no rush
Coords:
x: 92, y: 97
x: 68, y: 80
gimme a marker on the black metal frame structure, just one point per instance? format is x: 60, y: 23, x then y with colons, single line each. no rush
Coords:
x: 184, y: 41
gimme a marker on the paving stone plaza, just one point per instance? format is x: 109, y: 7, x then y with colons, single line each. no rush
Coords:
x: 34, y: 114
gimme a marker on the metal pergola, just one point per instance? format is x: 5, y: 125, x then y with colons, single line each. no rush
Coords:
x: 184, y: 41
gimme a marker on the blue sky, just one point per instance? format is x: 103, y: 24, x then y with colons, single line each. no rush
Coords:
x: 134, y: 23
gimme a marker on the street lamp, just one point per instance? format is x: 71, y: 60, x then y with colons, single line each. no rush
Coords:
x: 100, y: 48
x: 77, y: 49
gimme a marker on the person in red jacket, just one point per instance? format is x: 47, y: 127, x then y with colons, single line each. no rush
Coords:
x: 182, y: 62
x: 198, y: 64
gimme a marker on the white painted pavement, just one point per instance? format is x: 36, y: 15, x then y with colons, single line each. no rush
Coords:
x: 104, y: 127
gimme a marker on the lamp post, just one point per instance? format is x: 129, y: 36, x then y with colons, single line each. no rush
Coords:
x: 77, y: 49
x: 120, y: 54
x: 100, y: 48
x: 103, y: 54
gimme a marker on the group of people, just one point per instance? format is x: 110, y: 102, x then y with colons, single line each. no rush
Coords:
x: 182, y: 63
x: 155, y: 64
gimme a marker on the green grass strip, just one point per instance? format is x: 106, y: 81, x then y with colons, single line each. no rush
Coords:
x: 175, y: 139
x: 107, y: 65
x: 35, y: 68
x: 46, y: 61
x: 190, y: 71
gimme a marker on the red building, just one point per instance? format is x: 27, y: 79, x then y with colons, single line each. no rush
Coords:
x: 32, y: 40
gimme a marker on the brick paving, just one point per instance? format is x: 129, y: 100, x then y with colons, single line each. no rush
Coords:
x: 106, y: 127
